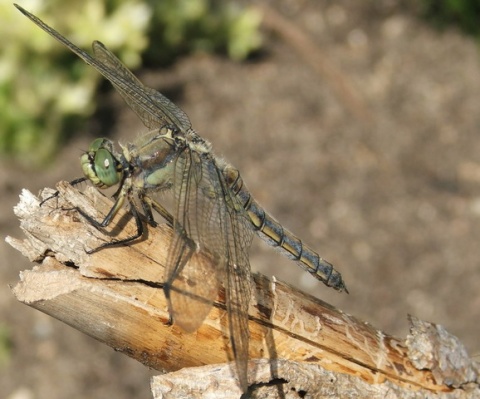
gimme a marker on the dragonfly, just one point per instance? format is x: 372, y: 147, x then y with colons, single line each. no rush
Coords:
x: 214, y: 213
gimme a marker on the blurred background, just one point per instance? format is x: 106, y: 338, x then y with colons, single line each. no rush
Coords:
x: 354, y: 123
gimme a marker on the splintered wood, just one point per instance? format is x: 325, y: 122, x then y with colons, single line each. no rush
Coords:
x: 115, y: 296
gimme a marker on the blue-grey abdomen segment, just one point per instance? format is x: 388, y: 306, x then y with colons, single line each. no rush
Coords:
x: 275, y: 235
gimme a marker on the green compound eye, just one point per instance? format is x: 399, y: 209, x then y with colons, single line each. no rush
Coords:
x: 99, y: 164
x: 106, y: 167
x: 97, y: 144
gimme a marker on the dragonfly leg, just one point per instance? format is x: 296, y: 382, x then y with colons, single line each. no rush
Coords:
x: 107, y: 220
x: 110, y: 215
x: 72, y: 183
x: 147, y: 210
x: 138, y: 221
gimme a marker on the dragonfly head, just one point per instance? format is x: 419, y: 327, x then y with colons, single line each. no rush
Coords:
x: 100, y: 165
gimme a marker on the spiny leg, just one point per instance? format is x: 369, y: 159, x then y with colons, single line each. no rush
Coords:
x: 138, y: 221
x: 55, y: 194
x: 147, y: 205
x: 111, y: 214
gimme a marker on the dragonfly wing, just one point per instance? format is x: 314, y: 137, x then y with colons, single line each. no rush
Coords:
x: 154, y: 109
x: 195, y: 265
x: 238, y: 285
x: 208, y: 214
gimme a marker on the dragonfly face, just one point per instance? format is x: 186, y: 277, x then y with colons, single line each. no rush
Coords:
x: 100, y: 165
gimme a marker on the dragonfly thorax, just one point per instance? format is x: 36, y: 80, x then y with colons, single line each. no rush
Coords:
x: 100, y: 165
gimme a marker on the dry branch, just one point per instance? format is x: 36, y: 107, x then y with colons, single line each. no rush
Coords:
x: 114, y: 296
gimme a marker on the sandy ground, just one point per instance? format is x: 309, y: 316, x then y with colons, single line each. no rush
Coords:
x: 391, y: 198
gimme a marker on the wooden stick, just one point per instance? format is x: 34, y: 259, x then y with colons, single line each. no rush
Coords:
x: 114, y: 295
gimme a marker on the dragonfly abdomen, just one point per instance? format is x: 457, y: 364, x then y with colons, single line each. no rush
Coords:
x: 271, y: 231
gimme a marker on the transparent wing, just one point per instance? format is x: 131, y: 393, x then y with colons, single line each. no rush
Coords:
x: 210, y: 247
x: 238, y: 289
x: 154, y: 109
x: 196, y: 258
